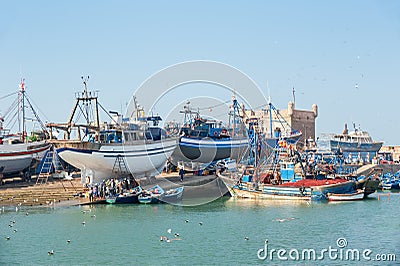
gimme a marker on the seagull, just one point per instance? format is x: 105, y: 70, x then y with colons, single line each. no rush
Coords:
x: 246, y: 238
x: 162, y: 238
x: 7, y: 238
x: 169, y: 231
x: 10, y: 225
x: 68, y: 241
x: 93, y: 216
x: 200, y: 223
x: 84, y: 223
x: 176, y: 234
x: 51, y: 252
x: 27, y: 213
x: 15, y: 230
x: 186, y: 221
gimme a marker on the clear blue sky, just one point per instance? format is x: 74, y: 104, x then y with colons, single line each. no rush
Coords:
x: 342, y: 55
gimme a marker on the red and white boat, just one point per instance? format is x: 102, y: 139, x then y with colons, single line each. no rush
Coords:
x: 357, y: 195
x: 15, y: 158
x: 17, y: 150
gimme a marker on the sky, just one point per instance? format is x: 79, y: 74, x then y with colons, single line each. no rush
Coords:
x: 343, y: 56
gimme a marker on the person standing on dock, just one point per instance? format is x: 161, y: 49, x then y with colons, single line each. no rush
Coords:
x: 182, y: 173
x: 91, y: 194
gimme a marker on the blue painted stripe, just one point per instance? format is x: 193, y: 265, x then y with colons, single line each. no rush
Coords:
x: 147, y: 151
x: 213, y: 146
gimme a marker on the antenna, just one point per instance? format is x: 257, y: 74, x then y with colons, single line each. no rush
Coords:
x: 294, y: 97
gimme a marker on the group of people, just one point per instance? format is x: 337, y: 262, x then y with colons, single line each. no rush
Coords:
x: 111, y: 187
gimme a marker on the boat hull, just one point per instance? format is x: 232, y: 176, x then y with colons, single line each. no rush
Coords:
x: 300, y: 190
x: 287, y: 194
x: 355, y: 146
x: 145, y: 159
x: 17, y: 157
x: 172, y: 195
x: 125, y: 198
x: 358, y: 195
x: 207, y: 150
x: 152, y: 195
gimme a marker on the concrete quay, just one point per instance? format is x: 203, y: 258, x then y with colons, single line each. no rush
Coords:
x: 29, y: 194
x: 68, y: 192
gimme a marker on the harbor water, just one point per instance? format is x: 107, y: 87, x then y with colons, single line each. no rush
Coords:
x: 227, y: 231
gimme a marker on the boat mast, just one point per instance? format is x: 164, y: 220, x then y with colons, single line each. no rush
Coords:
x: 270, y: 116
x: 22, y: 108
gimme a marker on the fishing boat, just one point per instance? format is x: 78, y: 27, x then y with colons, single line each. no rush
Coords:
x: 355, y: 141
x: 274, y: 178
x: 369, y: 183
x: 18, y: 150
x: 127, y: 197
x: 151, y: 195
x: 172, y: 195
x: 135, y: 145
x: 305, y: 189
x: 205, y: 140
x: 356, y: 195
x: 390, y: 183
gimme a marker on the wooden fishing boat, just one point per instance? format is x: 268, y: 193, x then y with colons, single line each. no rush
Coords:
x: 151, y: 195
x: 128, y: 197
x: 305, y: 189
x: 356, y: 195
x: 172, y: 195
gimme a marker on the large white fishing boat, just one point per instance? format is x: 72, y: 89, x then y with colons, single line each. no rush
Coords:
x: 17, y: 150
x: 355, y: 141
x: 129, y: 146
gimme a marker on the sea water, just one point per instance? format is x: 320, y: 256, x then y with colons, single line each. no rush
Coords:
x: 227, y: 231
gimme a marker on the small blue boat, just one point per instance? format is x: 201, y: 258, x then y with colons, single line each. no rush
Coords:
x: 173, y: 195
x: 151, y: 195
x: 129, y: 197
x: 391, y: 183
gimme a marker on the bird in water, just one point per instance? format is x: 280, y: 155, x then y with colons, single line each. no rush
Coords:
x: 246, y: 238
x: 68, y: 241
x: 186, y: 221
x: 200, y: 223
x: 7, y: 238
x: 51, y: 252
